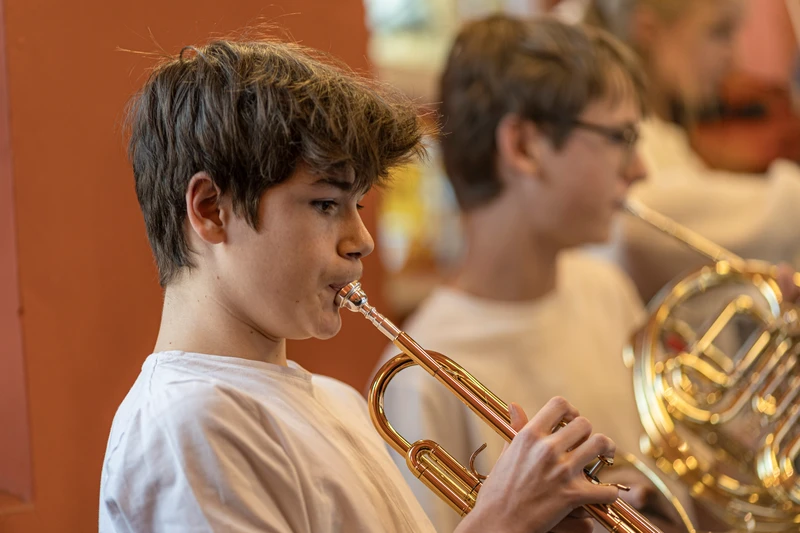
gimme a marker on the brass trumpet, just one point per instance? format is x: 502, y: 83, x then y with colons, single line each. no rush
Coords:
x: 723, y: 419
x: 453, y: 482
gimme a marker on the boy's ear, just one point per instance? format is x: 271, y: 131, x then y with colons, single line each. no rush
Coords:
x: 518, y: 146
x: 204, y: 208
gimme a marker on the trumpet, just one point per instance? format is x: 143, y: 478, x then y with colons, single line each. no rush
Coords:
x: 723, y: 419
x: 455, y: 483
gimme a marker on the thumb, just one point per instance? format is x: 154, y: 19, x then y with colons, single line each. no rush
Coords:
x: 518, y: 417
x: 518, y: 420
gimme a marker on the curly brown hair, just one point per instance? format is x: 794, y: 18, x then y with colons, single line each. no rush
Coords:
x: 247, y: 113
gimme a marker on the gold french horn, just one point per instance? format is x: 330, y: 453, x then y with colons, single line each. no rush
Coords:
x: 719, y: 397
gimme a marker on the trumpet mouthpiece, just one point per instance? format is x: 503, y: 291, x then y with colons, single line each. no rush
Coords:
x: 351, y: 297
x: 631, y: 206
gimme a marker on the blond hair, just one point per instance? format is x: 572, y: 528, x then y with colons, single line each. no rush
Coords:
x: 615, y: 15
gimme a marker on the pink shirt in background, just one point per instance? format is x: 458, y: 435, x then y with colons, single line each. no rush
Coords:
x: 767, y: 46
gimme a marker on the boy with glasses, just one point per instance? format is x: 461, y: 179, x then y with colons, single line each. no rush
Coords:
x: 539, y: 135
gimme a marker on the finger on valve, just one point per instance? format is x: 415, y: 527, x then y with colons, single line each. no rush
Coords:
x: 573, y: 434
x: 596, y: 445
x: 551, y: 415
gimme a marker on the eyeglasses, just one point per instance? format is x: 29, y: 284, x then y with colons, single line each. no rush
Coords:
x: 625, y: 136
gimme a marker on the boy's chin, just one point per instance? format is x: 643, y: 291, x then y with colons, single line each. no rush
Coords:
x: 329, y: 329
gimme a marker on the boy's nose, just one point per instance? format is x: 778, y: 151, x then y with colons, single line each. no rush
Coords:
x: 358, y: 243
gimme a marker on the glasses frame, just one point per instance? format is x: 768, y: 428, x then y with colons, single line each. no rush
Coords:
x: 625, y: 136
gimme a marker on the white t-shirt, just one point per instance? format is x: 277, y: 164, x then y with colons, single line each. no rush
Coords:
x: 211, y: 443
x: 754, y: 216
x: 567, y: 343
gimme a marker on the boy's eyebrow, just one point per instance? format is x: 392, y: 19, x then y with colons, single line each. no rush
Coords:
x: 340, y: 184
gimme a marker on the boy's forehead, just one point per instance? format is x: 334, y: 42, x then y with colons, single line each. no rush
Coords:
x: 625, y: 105
x: 303, y: 174
x: 341, y: 180
x: 620, y: 109
x: 621, y: 101
x: 344, y: 180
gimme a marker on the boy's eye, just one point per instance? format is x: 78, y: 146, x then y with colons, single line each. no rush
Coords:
x: 324, y: 206
x: 329, y: 206
x: 627, y: 136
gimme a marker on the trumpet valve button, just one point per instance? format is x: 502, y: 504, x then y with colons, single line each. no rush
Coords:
x: 601, y: 462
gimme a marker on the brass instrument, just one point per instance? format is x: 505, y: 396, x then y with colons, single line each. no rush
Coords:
x: 456, y: 484
x: 719, y: 399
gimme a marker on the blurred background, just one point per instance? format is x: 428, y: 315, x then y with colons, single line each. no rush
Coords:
x: 79, y: 298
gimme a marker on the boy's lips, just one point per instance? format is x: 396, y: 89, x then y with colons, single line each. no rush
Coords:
x: 337, y: 285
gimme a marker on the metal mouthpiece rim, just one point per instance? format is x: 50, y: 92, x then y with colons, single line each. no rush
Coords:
x: 351, y: 296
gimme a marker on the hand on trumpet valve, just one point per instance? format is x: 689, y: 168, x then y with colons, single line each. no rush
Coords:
x: 642, y: 491
x: 540, y: 477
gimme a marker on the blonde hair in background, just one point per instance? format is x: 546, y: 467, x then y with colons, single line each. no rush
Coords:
x: 615, y: 15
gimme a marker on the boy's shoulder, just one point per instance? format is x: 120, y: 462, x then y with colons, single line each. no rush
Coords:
x: 192, y: 423
x: 175, y: 398
x: 171, y: 388
x: 179, y: 393
x: 344, y: 393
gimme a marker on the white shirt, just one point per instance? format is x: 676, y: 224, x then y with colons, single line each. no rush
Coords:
x: 754, y: 216
x: 211, y: 443
x: 567, y: 343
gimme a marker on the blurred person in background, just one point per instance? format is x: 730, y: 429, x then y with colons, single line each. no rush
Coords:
x: 539, y: 126
x: 696, y: 173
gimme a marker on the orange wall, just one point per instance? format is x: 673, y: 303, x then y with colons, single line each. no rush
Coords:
x: 87, y: 282
x: 15, y: 465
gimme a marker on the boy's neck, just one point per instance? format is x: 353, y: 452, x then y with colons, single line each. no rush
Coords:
x: 502, y: 261
x: 197, y: 321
